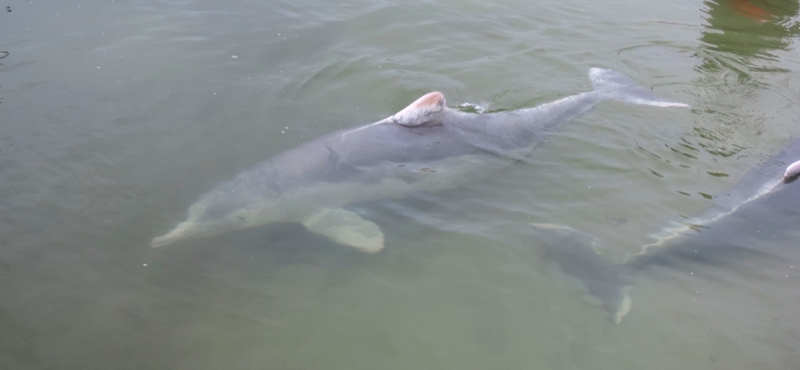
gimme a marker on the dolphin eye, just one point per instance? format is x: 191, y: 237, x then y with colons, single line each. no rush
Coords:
x: 241, y: 215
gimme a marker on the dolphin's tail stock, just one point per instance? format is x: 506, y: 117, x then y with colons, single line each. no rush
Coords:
x: 577, y: 255
x: 614, y: 85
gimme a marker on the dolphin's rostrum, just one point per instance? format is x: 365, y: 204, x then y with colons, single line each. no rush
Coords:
x: 426, y: 146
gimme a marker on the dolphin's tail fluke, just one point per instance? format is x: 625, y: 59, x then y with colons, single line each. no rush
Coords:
x: 614, y: 85
x: 577, y: 255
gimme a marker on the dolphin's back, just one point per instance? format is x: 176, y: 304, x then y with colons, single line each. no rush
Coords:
x: 761, y: 205
x: 368, y: 153
x: 379, y: 144
x: 753, y: 219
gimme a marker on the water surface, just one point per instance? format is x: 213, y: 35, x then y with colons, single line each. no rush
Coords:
x: 115, y: 116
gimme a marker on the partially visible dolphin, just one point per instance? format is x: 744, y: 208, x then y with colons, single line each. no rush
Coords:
x: 425, y: 146
x: 745, y: 221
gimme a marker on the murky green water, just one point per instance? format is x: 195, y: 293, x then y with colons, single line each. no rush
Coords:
x: 115, y: 116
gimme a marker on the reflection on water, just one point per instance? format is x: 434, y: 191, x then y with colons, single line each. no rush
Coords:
x: 742, y: 43
x: 752, y: 29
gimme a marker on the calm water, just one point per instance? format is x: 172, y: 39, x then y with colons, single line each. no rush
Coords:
x: 116, y: 115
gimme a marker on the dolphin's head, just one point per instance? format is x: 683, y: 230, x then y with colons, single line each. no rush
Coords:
x: 220, y: 211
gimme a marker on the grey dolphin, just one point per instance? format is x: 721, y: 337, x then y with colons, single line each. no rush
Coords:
x: 425, y: 146
x: 743, y: 221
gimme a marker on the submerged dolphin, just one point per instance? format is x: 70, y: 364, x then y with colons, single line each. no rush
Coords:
x: 425, y: 146
x: 745, y: 221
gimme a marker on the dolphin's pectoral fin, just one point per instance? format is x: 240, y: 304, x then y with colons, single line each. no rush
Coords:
x: 347, y: 228
x: 417, y: 113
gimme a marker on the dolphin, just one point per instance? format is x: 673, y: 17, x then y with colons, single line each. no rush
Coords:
x: 426, y: 146
x: 745, y: 221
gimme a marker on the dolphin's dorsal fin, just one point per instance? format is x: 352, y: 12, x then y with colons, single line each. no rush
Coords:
x: 417, y: 113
